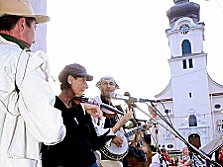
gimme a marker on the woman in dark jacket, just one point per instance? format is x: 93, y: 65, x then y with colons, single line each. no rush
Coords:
x: 77, y: 149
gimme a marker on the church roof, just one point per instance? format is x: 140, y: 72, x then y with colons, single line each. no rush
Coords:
x: 214, y: 87
x: 184, y: 8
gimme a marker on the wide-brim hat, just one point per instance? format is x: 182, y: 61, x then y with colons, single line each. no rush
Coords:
x: 20, y: 8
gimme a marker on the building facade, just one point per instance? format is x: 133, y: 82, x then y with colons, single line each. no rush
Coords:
x: 193, y: 101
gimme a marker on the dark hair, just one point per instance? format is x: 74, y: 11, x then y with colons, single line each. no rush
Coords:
x: 163, y: 150
x: 63, y: 80
x: 147, y: 138
x: 153, y: 148
x: 29, y: 20
x: 8, y: 22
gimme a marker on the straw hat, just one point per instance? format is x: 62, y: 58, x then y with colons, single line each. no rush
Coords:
x: 20, y: 8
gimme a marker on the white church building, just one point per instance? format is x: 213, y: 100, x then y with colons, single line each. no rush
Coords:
x: 192, y: 100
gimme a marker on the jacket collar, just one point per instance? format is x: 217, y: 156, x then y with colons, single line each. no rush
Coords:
x: 21, y: 44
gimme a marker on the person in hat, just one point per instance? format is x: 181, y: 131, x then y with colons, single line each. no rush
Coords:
x: 27, y: 115
x: 108, y: 85
x: 81, y: 139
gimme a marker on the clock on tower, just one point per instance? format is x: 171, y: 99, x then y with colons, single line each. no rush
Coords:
x: 184, y: 29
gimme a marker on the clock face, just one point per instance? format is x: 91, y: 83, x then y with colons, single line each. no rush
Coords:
x: 184, y: 29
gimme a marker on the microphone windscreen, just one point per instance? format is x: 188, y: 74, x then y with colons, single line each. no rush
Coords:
x: 118, y: 97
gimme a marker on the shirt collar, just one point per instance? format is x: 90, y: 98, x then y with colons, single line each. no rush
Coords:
x: 21, y: 44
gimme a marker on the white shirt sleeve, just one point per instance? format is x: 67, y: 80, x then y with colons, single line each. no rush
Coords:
x: 36, y: 105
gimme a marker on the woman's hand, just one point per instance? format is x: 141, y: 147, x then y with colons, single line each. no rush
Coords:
x: 93, y: 110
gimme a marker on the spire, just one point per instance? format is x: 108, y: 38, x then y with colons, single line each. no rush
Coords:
x: 183, y: 8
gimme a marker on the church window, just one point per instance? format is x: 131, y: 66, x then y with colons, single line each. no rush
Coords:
x: 192, y: 120
x: 186, y: 47
x: 190, y: 94
x: 190, y: 63
x: 217, y: 106
x: 184, y: 64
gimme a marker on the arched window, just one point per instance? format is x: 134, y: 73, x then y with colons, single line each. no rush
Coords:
x: 192, y: 120
x: 186, y: 47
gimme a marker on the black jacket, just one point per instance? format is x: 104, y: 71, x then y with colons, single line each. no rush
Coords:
x: 76, y: 150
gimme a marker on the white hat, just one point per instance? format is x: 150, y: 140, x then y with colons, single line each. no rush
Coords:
x: 107, y: 78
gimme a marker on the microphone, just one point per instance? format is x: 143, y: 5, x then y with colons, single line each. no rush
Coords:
x: 131, y: 99
x: 104, y: 106
x: 122, y: 97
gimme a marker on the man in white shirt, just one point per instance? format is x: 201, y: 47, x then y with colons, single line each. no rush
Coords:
x: 27, y: 115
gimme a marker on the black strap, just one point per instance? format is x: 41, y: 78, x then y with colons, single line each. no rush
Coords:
x: 25, y: 50
x: 16, y: 88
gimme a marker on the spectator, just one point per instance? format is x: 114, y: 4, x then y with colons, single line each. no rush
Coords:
x: 185, y: 160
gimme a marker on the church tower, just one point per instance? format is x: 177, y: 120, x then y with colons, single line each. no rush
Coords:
x: 188, y: 64
x: 188, y: 96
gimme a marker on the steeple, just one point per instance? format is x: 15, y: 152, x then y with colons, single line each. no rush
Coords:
x: 184, y: 8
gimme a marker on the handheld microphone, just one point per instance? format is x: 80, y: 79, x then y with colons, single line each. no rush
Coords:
x: 102, y: 106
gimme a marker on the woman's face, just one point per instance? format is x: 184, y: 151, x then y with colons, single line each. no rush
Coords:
x: 78, y: 85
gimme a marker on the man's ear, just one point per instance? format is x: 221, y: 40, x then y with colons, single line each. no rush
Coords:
x: 21, y: 23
